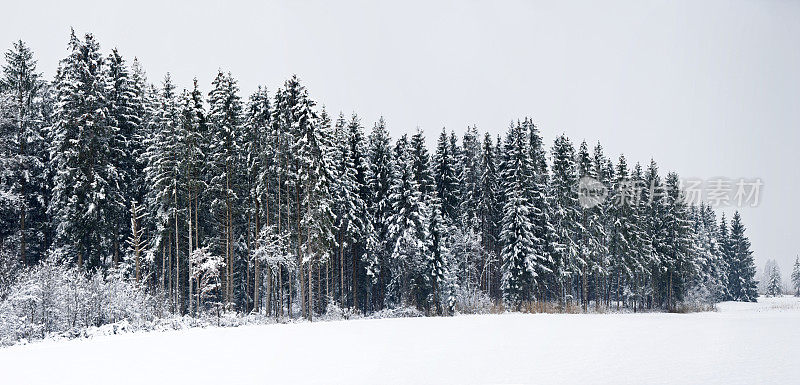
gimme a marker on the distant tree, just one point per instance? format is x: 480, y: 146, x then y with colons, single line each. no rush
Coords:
x: 796, y: 277
x: 775, y: 283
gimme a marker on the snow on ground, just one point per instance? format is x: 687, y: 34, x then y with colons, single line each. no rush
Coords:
x: 739, y: 344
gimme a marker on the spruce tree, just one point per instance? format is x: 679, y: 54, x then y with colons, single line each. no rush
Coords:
x: 347, y: 201
x: 437, y: 261
x: 676, y: 248
x: 408, y: 232
x: 489, y: 214
x: 85, y: 185
x: 445, y: 177
x: 742, y: 267
x: 565, y: 217
x: 380, y: 177
x: 356, y: 151
x: 225, y: 125
x: 470, y: 165
x: 125, y: 115
x: 24, y: 151
x: 774, y: 282
x: 521, y: 259
x: 541, y: 214
x: 796, y: 277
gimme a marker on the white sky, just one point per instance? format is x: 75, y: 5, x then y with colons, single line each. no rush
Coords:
x: 706, y: 88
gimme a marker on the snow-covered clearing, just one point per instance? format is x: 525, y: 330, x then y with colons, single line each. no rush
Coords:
x: 740, y: 344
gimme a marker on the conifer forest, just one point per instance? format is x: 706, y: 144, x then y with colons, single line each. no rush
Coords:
x: 128, y: 198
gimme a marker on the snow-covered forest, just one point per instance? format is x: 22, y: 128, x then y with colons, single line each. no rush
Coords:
x: 124, y: 198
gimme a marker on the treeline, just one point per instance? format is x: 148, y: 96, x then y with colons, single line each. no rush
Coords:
x: 270, y: 205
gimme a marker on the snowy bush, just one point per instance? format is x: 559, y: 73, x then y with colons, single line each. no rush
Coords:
x: 51, y: 298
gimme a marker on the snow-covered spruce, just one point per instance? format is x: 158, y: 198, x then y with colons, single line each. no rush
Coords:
x: 195, y: 204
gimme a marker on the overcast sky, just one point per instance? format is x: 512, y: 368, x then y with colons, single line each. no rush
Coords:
x: 706, y: 88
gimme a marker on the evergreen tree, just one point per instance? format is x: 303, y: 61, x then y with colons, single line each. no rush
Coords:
x: 568, y: 262
x: 470, y: 165
x: 225, y: 124
x: 381, y: 165
x: 85, y: 184
x: 445, y: 177
x: 24, y: 153
x: 725, y: 252
x: 796, y: 277
x: 590, y: 232
x: 408, y: 232
x: 489, y: 216
x: 774, y: 283
x: 521, y: 259
x: 642, y: 243
x: 540, y: 215
x: 677, y: 244
x: 347, y: 203
x: 436, y: 269
x: 653, y: 196
x: 742, y: 273
x: 422, y: 164
x: 125, y: 115
x: 356, y: 152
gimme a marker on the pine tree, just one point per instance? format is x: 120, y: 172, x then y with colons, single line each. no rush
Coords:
x: 565, y: 216
x: 796, y: 277
x: 774, y: 283
x: 422, y: 164
x: 318, y: 217
x: 85, y: 184
x: 192, y: 145
x: 160, y: 177
x: 24, y: 151
x: 521, y: 259
x: 445, y: 177
x: 258, y: 146
x: 742, y: 267
x: 642, y: 242
x: 470, y: 165
x: 436, y: 269
x: 541, y: 214
x: 225, y: 124
x: 408, y: 232
x: 623, y: 238
x: 677, y: 257
x: 356, y: 151
x: 347, y: 201
x: 590, y: 232
x: 380, y: 177
x: 653, y: 197
x: 125, y: 115
x: 489, y: 216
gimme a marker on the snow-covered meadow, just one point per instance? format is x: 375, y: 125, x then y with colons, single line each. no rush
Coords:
x: 741, y: 343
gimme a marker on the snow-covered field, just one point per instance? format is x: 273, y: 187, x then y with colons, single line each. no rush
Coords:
x: 739, y: 344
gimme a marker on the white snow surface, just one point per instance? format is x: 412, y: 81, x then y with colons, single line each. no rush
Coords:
x: 741, y: 343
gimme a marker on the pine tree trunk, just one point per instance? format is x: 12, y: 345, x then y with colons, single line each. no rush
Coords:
x: 300, y: 274
x: 169, y: 267
x: 257, y: 274
x: 228, y: 237
x: 355, y: 282
x: 189, y: 255
x: 136, y: 242
x: 177, y: 258
x: 163, y: 268
x: 341, y: 271
x: 248, y: 240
